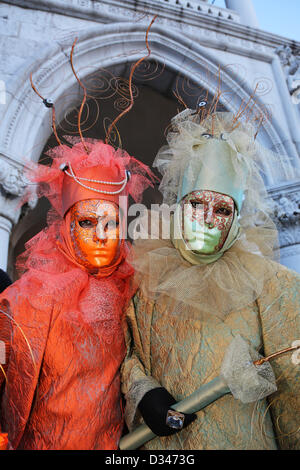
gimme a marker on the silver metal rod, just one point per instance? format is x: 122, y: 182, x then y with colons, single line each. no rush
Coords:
x: 202, y: 397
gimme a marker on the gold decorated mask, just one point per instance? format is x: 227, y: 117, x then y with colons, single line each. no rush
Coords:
x: 94, y: 232
x: 207, y: 218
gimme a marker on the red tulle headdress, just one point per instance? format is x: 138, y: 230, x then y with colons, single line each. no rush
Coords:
x: 103, y: 167
x: 75, y: 175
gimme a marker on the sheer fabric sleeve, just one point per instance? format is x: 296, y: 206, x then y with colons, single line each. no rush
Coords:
x: 5, y: 346
x: 280, y: 316
x: 136, y: 368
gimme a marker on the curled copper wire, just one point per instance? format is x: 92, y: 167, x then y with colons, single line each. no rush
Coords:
x: 241, y: 110
x: 259, y: 362
x: 178, y: 97
x: 133, y: 68
x: 248, y: 109
x: 46, y: 102
x: 3, y: 372
x: 84, y: 95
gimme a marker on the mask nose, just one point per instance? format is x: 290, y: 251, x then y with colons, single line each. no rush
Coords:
x: 100, y: 232
x: 209, y: 216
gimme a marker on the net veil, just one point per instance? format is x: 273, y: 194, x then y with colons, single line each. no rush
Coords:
x: 238, y: 277
x: 231, y: 283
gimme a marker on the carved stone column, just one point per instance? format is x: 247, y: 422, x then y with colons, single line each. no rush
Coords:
x: 5, y: 231
x: 287, y: 219
x: 12, y: 187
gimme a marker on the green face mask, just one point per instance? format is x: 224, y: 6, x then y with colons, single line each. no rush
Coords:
x: 206, y: 218
x: 199, y: 238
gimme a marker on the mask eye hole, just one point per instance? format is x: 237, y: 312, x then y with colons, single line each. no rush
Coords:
x: 223, y: 136
x: 86, y: 223
x: 207, y: 136
x: 224, y: 211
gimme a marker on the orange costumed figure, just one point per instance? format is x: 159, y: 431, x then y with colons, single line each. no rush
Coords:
x: 62, y: 321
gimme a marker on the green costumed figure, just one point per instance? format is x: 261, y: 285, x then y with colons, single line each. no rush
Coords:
x: 215, y: 278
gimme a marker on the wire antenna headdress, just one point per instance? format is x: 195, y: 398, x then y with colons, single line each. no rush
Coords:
x: 249, y: 110
x: 49, y: 104
x: 133, y: 68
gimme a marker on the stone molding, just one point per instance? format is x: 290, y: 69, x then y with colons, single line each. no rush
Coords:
x: 290, y: 251
x: 183, y: 18
x: 200, y: 6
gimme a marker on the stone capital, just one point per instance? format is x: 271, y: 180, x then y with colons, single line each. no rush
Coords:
x: 287, y: 213
x: 13, y: 185
x: 12, y: 180
x: 290, y: 61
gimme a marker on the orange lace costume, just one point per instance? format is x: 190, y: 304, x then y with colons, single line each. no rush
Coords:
x: 62, y: 326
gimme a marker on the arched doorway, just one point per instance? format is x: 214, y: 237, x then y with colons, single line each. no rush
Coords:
x: 28, y: 129
x: 27, y: 126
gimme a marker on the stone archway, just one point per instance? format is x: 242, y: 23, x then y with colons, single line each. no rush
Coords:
x: 27, y: 126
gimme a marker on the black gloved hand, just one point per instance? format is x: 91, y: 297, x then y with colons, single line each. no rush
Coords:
x: 154, y: 408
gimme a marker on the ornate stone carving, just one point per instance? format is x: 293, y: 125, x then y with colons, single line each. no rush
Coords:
x: 14, y: 183
x: 291, y: 63
x: 287, y: 209
x: 11, y: 179
x: 287, y: 217
x: 284, y: 52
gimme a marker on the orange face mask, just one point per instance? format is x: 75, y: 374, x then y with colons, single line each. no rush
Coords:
x: 95, y: 233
